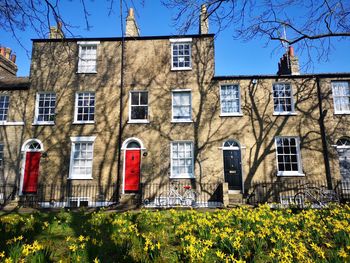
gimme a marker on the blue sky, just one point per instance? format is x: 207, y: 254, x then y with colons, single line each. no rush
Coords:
x: 232, y: 57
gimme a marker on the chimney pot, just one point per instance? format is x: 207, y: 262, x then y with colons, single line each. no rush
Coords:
x: 203, y: 20
x: 2, y: 51
x: 13, y: 58
x: 7, y: 52
x: 291, y: 51
x: 131, y: 29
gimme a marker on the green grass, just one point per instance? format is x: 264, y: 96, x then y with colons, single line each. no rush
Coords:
x: 241, y: 234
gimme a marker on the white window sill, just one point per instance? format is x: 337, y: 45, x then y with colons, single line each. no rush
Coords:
x: 11, y: 123
x: 80, y: 178
x: 285, y: 114
x: 83, y: 122
x: 181, y: 69
x: 182, y: 177
x: 290, y: 174
x: 342, y: 113
x: 181, y: 121
x: 87, y: 72
x: 231, y: 114
x: 138, y: 121
x: 47, y: 123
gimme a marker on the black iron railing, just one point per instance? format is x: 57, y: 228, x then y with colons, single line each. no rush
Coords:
x: 283, y: 192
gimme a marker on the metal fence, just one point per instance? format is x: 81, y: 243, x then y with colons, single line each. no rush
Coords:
x: 182, y: 194
x: 283, y: 192
x: 57, y: 196
x: 7, y: 193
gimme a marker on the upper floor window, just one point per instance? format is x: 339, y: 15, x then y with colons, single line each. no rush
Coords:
x: 182, y: 160
x: 84, y: 107
x: 87, y: 57
x: 341, y: 96
x: 288, y: 156
x: 45, y: 108
x: 181, y: 53
x: 182, y: 108
x: 283, y: 98
x: 81, y: 157
x: 230, y: 100
x: 4, y: 106
x: 138, y: 110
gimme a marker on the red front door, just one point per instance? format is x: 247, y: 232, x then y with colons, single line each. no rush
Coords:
x: 132, y: 170
x: 31, y: 172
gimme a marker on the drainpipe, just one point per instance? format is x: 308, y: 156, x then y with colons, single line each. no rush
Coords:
x: 323, y: 135
x: 120, y: 132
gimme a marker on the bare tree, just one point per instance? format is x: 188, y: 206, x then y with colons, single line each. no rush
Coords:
x: 309, y: 24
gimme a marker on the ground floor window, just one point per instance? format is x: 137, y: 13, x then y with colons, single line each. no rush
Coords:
x: 81, y: 157
x: 288, y: 156
x: 182, y: 160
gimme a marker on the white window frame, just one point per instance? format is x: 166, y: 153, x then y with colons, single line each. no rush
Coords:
x: 178, y: 41
x: 181, y: 176
x: 334, y: 96
x: 239, y: 113
x: 76, y: 121
x: 3, y: 122
x: 172, y: 105
x: 292, y: 111
x: 75, y: 140
x: 36, y: 115
x: 290, y: 173
x: 82, y: 44
x: 130, y: 106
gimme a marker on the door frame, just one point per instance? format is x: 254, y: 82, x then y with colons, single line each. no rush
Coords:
x: 24, y: 150
x: 232, y: 148
x: 124, y: 148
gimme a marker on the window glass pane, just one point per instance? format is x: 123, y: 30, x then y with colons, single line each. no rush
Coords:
x: 287, y: 154
x: 182, y: 162
x: 82, y: 159
x: 181, y: 55
x: 86, y: 106
x: 139, y: 106
x: 4, y: 104
x: 87, y: 58
x: 182, y: 105
x: 282, y: 97
x: 341, y: 96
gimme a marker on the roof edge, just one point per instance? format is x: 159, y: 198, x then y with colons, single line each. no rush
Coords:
x: 314, y: 75
x: 119, y: 38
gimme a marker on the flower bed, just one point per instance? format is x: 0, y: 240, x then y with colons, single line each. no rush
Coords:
x: 235, y: 235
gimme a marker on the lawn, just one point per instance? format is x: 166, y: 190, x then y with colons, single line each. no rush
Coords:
x: 236, y: 235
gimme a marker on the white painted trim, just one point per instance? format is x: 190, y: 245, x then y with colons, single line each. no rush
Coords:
x: 172, y: 105
x: 132, y: 139
x: 80, y: 140
x: 43, y: 123
x: 11, y: 123
x: 292, y: 112
x: 285, y: 113
x: 300, y: 166
x: 235, y: 114
x: 24, y: 151
x: 124, y: 145
x: 36, y: 109
x: 180, y: 40
x: 88, y: 43
x: 339, y: 112
x: 76, y: 108
x: 138, y: 120
x: 83, y: 139
x: 181, y: 176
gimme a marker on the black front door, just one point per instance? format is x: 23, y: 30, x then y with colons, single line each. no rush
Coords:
x: 232, y: 169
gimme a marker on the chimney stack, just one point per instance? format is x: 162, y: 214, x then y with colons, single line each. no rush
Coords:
x: 56, y: 32
x: 132, y: 29
x: 203, y: 21
x: 289, y: 63
x: 8, y: 67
